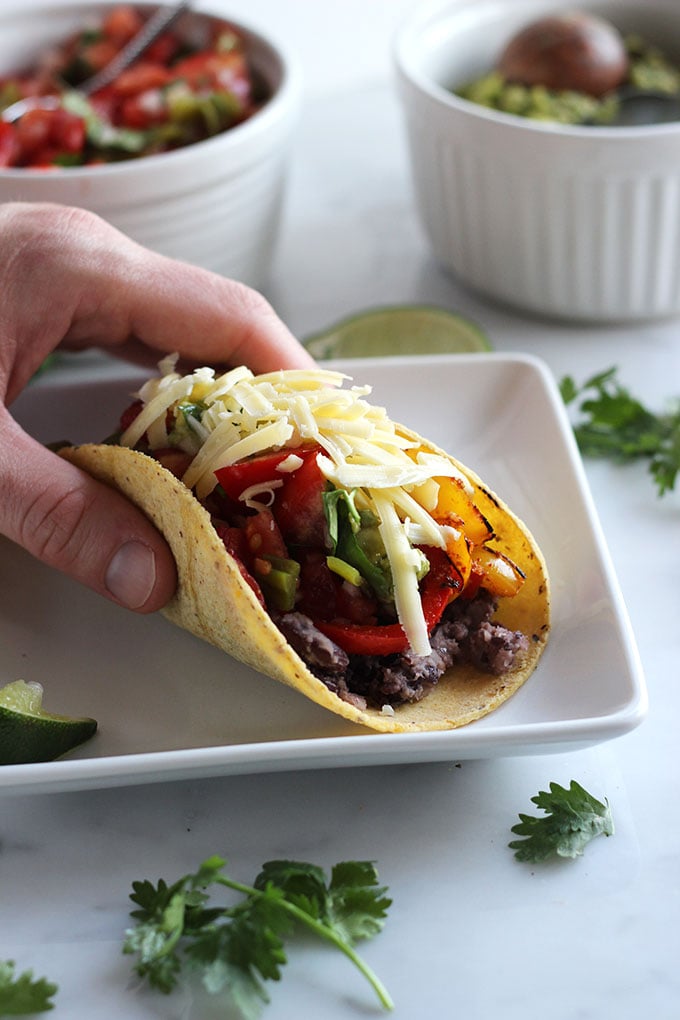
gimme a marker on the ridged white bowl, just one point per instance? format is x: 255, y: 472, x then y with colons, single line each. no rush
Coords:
x: 216, y: 204
x: 574, y: 222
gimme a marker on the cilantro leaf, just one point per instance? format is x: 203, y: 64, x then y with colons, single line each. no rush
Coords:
x: 573, y: 817
x: 21, y: 995
x: 615, y: 424
x: 352, y: 903
x: 302, y: 884
x: 239, y: 956
x: 166, y: 913
x: 236, y: 949
x: 358, y: 905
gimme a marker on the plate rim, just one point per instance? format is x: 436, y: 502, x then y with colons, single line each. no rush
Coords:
x: 348, y: 750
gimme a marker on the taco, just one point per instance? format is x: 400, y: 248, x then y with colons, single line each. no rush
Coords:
x: 330, y: 548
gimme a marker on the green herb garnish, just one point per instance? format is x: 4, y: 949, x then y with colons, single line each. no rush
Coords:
x: 572, y: 818
x: 615, y: 424
x: 236, y: 949
x: 355, y: 538
x: 22, y: 995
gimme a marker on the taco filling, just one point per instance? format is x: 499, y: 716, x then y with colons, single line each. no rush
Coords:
x: 372, y: 552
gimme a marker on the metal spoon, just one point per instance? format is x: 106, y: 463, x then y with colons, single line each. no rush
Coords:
x: 159, y: 22
x: 638, y: 108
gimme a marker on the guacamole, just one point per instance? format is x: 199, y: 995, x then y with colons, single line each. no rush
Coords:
x: 649, y: 70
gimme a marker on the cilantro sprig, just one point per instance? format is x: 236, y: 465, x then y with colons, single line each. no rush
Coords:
x: 572, y: 818
x: 615, y: 424
x: 22, y: 994
x: 236, y: 949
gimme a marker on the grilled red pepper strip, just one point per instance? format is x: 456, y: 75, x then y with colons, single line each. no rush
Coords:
x: 439, y: 586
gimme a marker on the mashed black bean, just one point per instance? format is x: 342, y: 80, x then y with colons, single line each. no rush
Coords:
x: 465, y: 634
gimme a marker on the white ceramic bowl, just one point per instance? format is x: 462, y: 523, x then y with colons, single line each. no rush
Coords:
x: 575, y: 222
x: 216, y: 203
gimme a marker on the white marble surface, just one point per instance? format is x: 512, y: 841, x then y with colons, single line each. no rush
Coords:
x: 472, y: 933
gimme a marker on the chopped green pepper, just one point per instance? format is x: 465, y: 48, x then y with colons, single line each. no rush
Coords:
x: 279, y: 583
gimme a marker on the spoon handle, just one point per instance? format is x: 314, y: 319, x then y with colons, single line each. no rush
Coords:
x: 159, y: 22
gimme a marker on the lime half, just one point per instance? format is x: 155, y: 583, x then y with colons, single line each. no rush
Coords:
x: 29, y: 734
x: 398, y: 330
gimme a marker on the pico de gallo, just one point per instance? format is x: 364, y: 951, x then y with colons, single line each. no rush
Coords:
x: 189, y: 85
x: 333, y: 515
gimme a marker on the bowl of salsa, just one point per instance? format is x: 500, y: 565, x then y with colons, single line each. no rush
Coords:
x: 185, y: 151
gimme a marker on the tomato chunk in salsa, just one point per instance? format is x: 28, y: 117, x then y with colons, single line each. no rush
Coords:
x: 186, y: 87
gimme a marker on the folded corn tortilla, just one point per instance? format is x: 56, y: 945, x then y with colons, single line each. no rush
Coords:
x: 215, y: 602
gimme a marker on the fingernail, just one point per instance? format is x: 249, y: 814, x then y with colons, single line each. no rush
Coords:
x: 131, y: 574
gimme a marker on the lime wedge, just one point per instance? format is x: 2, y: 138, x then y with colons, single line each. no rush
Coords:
x: 398, y: 330
x: 29, y: 734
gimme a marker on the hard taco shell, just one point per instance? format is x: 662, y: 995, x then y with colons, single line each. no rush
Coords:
x: 215, y: 602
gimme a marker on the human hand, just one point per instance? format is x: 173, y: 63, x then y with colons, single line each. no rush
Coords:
x: 70, y: 280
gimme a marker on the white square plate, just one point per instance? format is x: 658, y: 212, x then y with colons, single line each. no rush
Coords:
x: 170, y: 706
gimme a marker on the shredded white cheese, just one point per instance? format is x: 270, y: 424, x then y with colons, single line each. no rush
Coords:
x: 249, y: 495
x: 362, y: 450
x: 405, y: 562
x: 291, y: 463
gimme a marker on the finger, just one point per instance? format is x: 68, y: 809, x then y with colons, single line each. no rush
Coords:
x: 90, y: 285
x: 144, y: 298
x: 207, y: 320
x: 80, y: 526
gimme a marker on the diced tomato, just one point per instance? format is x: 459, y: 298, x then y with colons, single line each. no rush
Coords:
x: 44, y: 135
x: 299, y: 505
x: 163, y: 49
x: 248, y: 545
x: 142, y: 110
x: 263, y: 537
x: 196, y: 69
x: 174, y: 460
x: 235, y: 543
x: 236, y: 478
x: 232, y: 74
x: 103, y: 102
x: 8, y: 144
x: 47, y: 158
x: 129, y: 415
x: 67, y: 131
x: 318, y: 586
x: 121, y: 24
x: 140, y: 77
x: 33, y: 132
x: 227, y: 72
x: 98, y: 54
x: 354, y: 605
x: 234, y: 540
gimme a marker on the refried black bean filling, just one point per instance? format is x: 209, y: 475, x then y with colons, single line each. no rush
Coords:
x: 466, y: 633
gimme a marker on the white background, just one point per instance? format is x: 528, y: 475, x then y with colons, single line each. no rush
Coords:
x: 472, y: 933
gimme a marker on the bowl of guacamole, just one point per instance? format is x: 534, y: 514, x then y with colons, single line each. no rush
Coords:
x: 533, y: 196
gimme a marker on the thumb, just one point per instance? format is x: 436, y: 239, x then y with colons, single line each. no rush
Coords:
x: 80, y: 526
